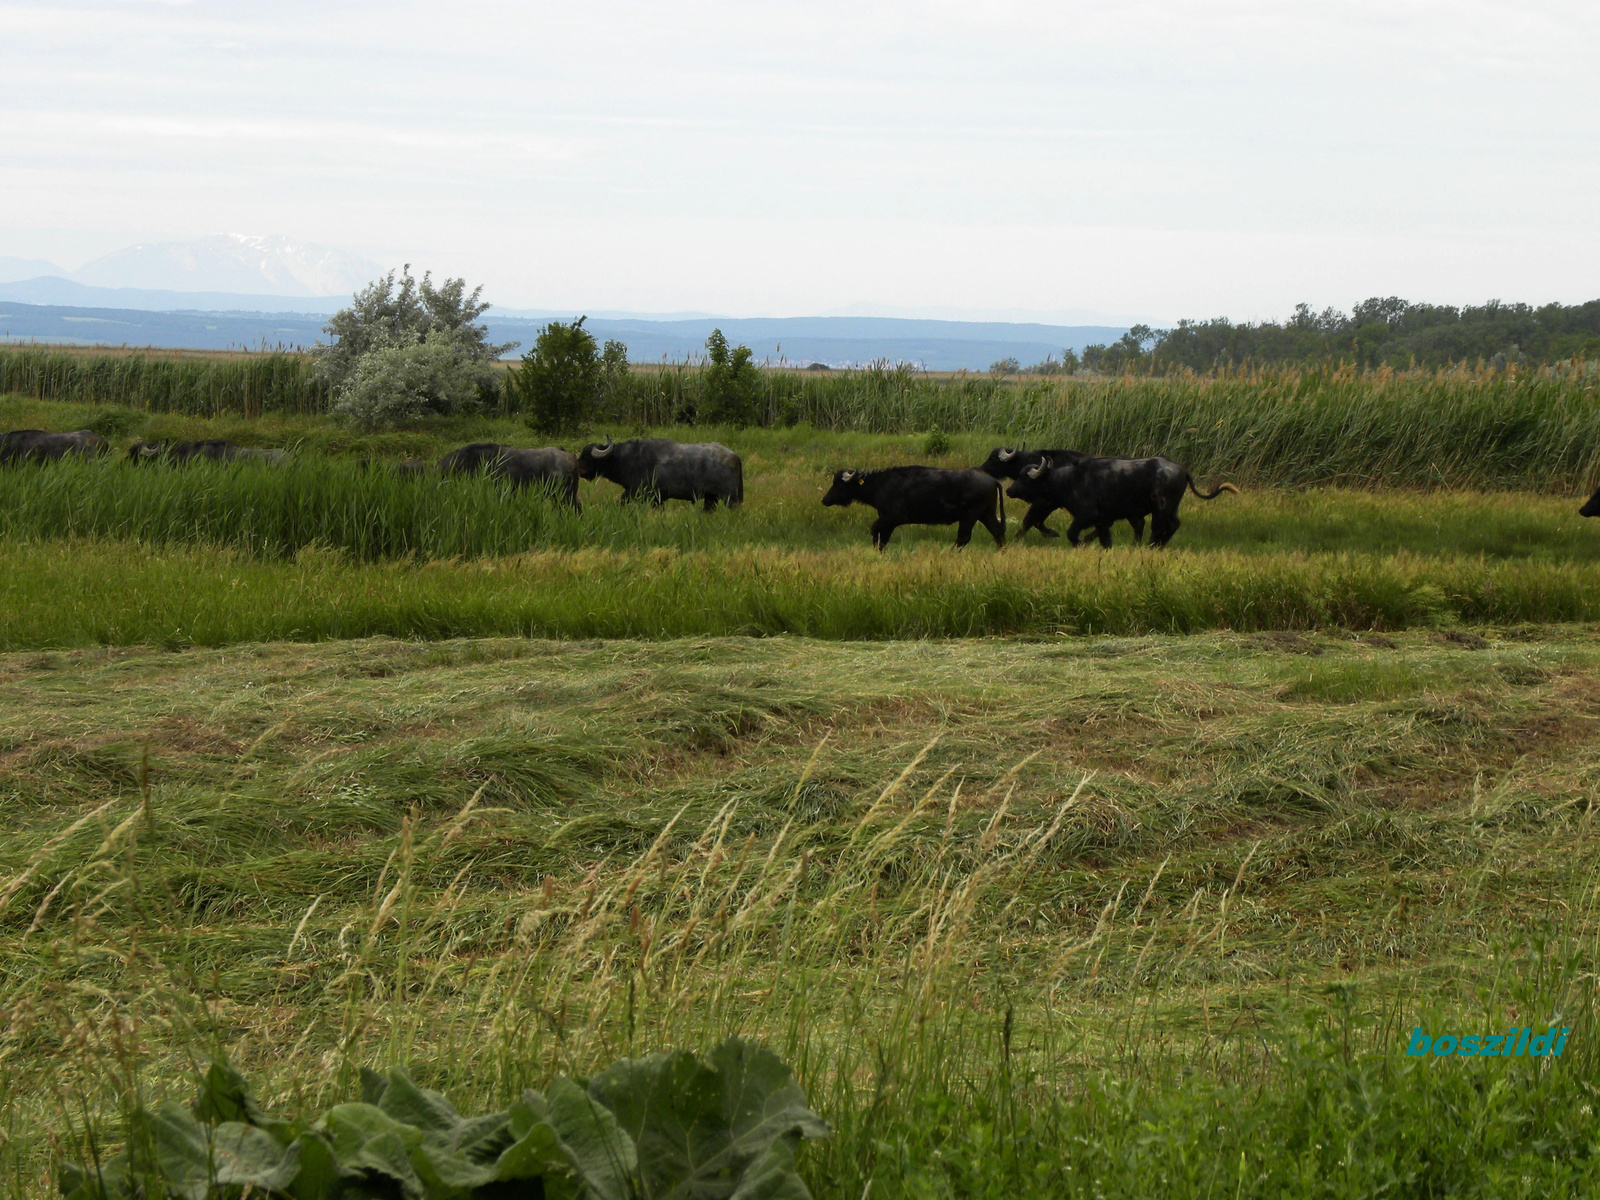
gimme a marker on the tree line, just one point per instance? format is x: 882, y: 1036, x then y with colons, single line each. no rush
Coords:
x: 1378, y: 332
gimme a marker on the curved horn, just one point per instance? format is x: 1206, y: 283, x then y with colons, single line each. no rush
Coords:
x: 602, y: 451
x: 1007, y: 454
x: 846, y: 476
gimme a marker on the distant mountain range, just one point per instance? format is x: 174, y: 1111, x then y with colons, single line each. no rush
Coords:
x: 241, y: 291
x: 247, y: 264
x: 834, y: 341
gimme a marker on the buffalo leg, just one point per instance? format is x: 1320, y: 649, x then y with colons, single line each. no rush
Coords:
x: 1138, y: 529
x: 881, y: 534
x: 1075, y: 531
x: 964, y: 532
x: 1103, y: 532
x: 711, y: 502
x: 996, y: 527
x: 1162, y: 529
x: 1035, y: 519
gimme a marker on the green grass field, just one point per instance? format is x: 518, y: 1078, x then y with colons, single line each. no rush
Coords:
x: 1151, y: 860
x: 1052, y: 872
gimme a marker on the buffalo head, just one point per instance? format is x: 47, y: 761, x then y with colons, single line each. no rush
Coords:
x: 1592, y: 507
x: 592, y: 456
x: 142, y: 452
x: 1032, y: 482
x: 846, y: 487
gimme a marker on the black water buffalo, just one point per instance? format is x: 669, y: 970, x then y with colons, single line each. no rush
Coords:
x: 210, y: 450
x: 35, y: 445
x: 1006, y: 463
x: 550, y: 465
x: 664, y: 470
x: 1101, y: 491
x: 924, y: 496
x: 1592, y: 507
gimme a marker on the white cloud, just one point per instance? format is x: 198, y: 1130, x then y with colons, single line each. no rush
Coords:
x: 1160, y: 156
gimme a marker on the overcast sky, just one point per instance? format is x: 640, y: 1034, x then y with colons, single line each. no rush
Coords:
x: 1153, y: 160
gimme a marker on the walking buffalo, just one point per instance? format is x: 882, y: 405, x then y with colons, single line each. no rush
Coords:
x: 1592, y: 507
x: 35, y: 445
x: 1101, y: 491
x: 664, y: 470
x: 211, y: 450
x: 1006, y: 463
x: 924, y: 496
x: 551, y: 466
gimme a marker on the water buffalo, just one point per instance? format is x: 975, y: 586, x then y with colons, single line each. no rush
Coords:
x: 551, y: 465
x: 1101, y: 491
x: 35, y: 445
x: 1006, y: 463
x: 666, y: 470
x: 924, y: 496
x: 211, y: 450
x: 1592, y: 507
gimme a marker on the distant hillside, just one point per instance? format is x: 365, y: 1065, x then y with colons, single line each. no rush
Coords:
x: 836, y: 341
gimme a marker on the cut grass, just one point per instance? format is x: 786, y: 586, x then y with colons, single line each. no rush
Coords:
x: 1062, y: 948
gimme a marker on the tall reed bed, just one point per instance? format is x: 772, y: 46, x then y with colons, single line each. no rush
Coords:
x: 197, y: 385
x: 1463, y: 427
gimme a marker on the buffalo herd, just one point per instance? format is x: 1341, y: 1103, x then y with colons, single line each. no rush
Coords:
x: 1095, y: 491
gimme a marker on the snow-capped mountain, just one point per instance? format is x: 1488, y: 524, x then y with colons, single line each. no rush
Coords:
x: 232, y: 262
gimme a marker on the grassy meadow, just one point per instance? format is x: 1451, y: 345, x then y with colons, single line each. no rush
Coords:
x: 1051, y: 871
x: 1097, y: 917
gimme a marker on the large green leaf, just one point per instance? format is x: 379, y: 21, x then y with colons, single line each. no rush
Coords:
x: 537, y: 1153
x: 701, y: 1129
x: 368, y: 1143
x: 603, y: 1155
x: 224, y: 1096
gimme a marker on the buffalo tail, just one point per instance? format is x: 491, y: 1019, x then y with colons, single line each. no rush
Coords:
x: 1214, y: 493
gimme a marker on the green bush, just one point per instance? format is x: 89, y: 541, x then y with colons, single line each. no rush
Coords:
x: 396, y: 385
x: 663, y: 1125
x: 559, y: 382
x: 732, y: 384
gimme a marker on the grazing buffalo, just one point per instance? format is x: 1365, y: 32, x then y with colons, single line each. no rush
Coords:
x: 1005, y: 463
x: 924, y: 496
x: 664, y: 470
x: 1100, y: 491
x: 1592, y: 507
x: 35, y: 445
x: 552, y: 466
x: 210, y: 450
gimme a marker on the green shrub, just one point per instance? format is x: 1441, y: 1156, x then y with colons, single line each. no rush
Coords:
x: 732, y: 384
x: 397, y: 385
x: 663, y: 1125
x: 560, y: 380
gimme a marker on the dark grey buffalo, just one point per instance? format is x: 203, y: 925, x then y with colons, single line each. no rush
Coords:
x: 551, y: 466
x: 1101, y: 491
x: 664, y: 470
x: 209, y: 450
x: 1592, y: 507
x: 35, y: 445
x: 1004, y: 462
x: 924, y: 496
